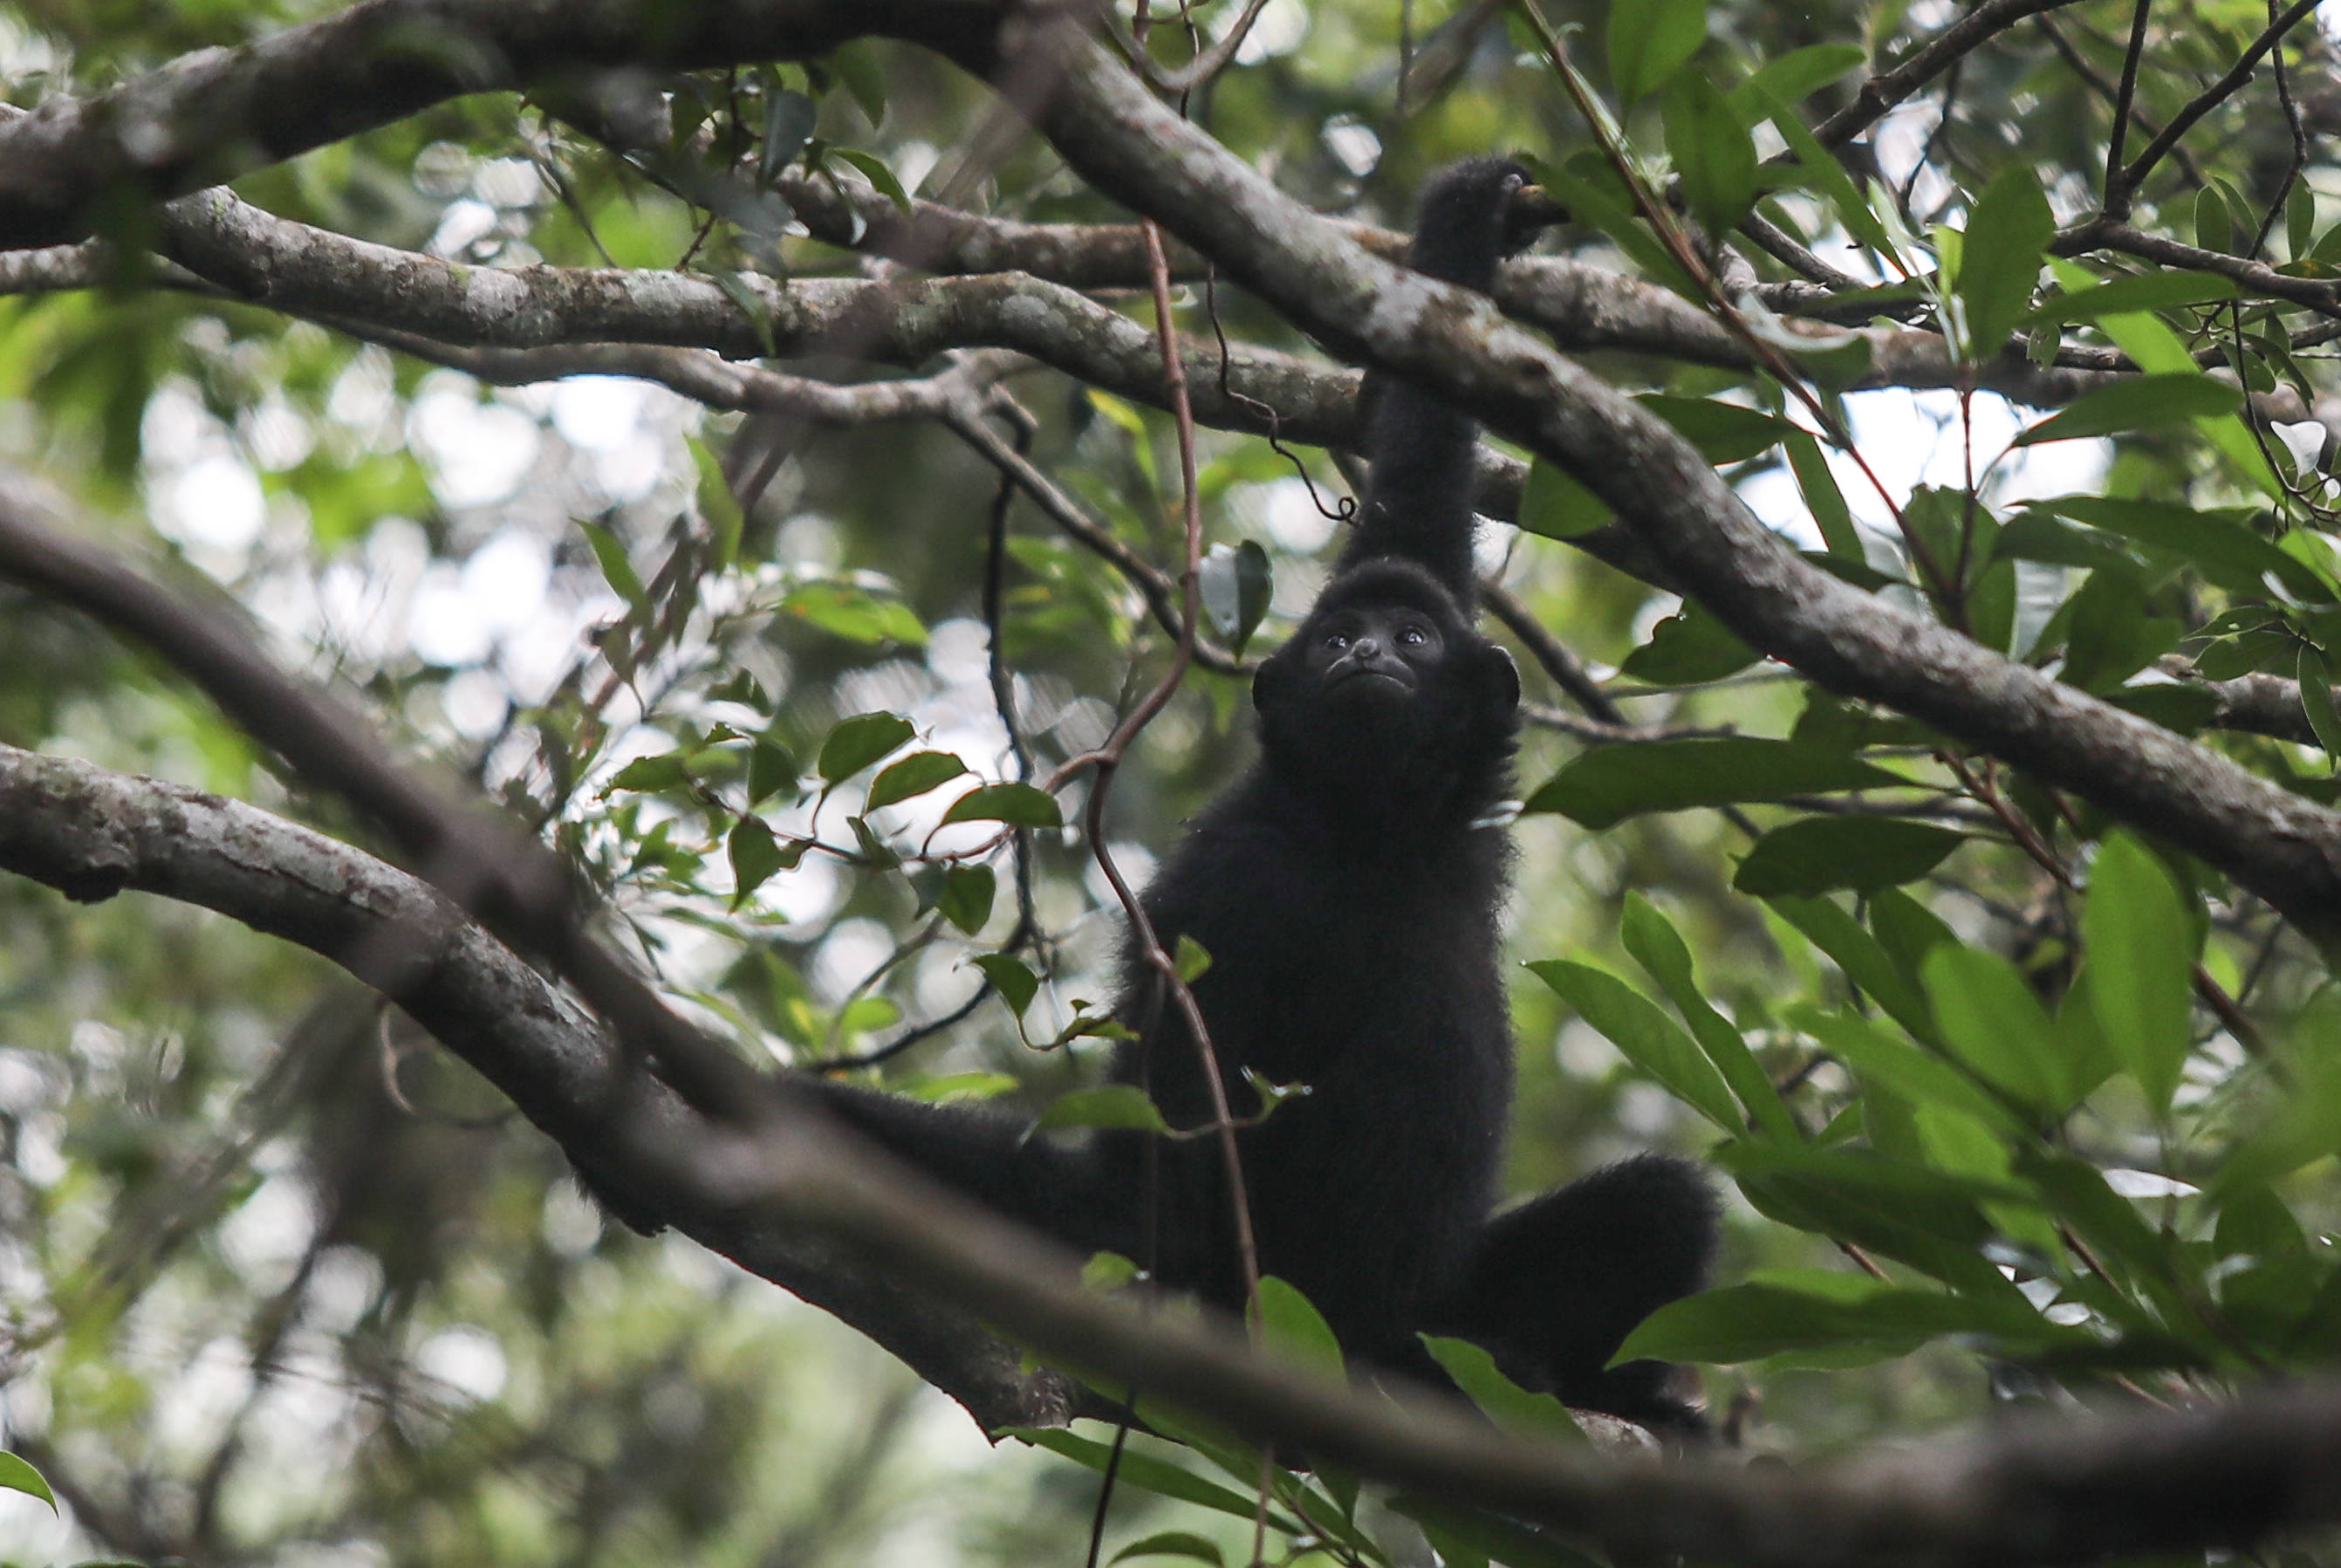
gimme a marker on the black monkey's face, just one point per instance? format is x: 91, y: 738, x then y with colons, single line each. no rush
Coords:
x: 1386, y: 697
x: 1390, y: 650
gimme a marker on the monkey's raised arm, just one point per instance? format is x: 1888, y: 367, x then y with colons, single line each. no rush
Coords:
x: 1418, y: 503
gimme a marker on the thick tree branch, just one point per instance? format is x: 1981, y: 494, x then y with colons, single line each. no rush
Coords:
x: 214, y: 112
x: 91, y: 834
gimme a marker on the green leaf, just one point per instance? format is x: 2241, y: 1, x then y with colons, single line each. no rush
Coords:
x: 881, y: 178
x: 1605, y: 785
x: 1782, y: 1312
x: 1647, y: 1037
x: 2219, y: 541
x: 716, y: 503
x: 787, y: 121
x: 1500, y: 1399
x: 1171, y: 1544
x: 1793, y: 77
x: 2145, y: 292
x: 2215, y: 226
x: 2146, y: 402
x: 2110, y: 633
x: 1724, y: 432
x: 1142, y: 1470
x: 616, y: 570
x: 650, y: 775
x: 858, y: 741
x: 1823, y: 499
x: 1991, y: 1021
x: 1820, y: 172
x: 955, y: 1086
x: 1713, y: 157
x: 1016, y: 983
x: 18, y: 1475
x: 1821, y: 853
x: 1660, y: 949
x: 1118, y: 1105
x: 2141, y: 958
x: 756, y: 855
x: 914, y: 775
x: 1018, y: 804
x: 879, y: 854
x: 1237, y: 583
x: 1600, y: 202
x: 2000, y: 257
x: 1290, y: 1324
x: 1879, y: 1058
x: 1933, y: 1222
x: 1688, y: 648
x: 2316, y: 699
x: 967, y: 894
x: 771, y: 769
x: 855, y: 613
x: 2158, y: 349
x: 856, y: 65
x: 1558, y: 507
x: 1858, y: 955
x: 1650, y: 41
x: 1192, y: 959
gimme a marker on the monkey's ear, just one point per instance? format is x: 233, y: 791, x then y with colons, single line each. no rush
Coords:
x: 1499, y: 678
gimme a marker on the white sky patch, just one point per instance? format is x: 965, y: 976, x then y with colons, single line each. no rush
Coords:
x: 191, y: 1412
x: 1353, y: 145
x: 2149, y: 1185
x: 508, y: 183
x: 1900, y: 140
x: 446, y: 627
x: 803, y: 898
x: 1277, y: 30
x: 539, y: 654
x: 959, y: 651
x: 271, y: 1227
x: 477, y: 452
x: 631, y: 471
x: 474, y: 701
x: 506, y: 579
x: 462, y: 224
x: 341, y: 1287
x: 276, y: 436
x: 213, y: 504
x: 1292, y: 516
x: 468, y: 1360
x: 598, y: 413
x: 846, y: 958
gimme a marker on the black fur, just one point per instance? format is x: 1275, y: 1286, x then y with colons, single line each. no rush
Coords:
x: 1348, y: 890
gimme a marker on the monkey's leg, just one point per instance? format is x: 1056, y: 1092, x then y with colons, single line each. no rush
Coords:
x: 1558, y: 1283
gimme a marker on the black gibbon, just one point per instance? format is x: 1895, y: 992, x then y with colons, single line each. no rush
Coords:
x: 1347, y: 892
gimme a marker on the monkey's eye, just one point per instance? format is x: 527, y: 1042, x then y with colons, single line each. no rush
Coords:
x: 1337, y: 639
x: 1413, y: 636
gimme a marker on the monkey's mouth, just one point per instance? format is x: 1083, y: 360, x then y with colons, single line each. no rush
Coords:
x: 1346, y: 675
